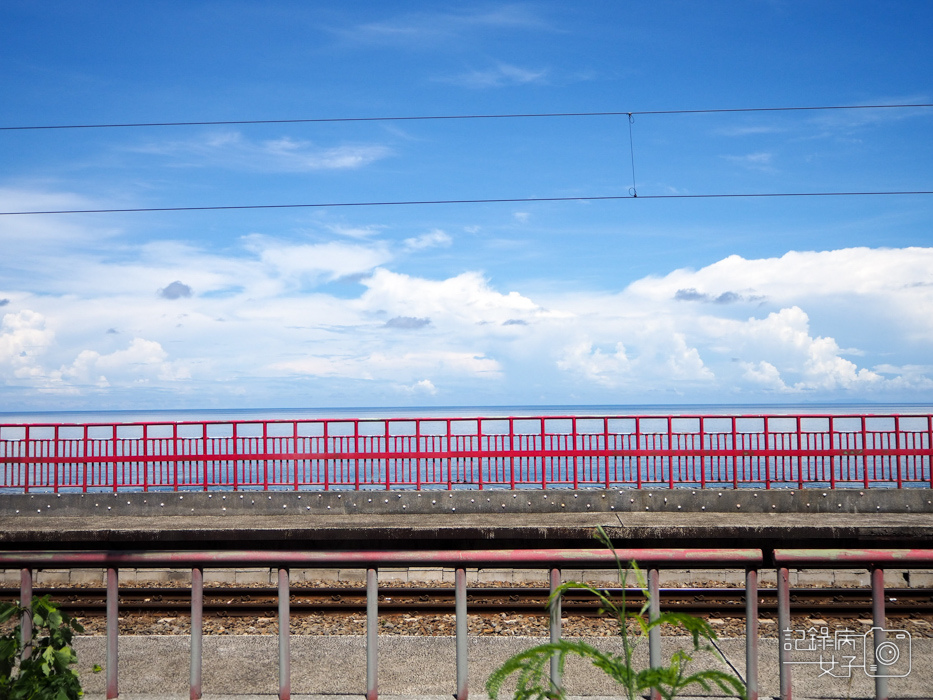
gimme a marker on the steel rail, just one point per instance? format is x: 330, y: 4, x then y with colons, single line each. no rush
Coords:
x: 241, y: 601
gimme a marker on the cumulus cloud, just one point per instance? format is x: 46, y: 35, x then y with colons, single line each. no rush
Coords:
x: 24, y: 339
x: 849, y: 324
x: 467, y: 297
x: 139, y: 363
x: 176, y: 290
x: 424, y: 386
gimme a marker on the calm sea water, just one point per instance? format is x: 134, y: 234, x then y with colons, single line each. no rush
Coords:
x: 134, y: 416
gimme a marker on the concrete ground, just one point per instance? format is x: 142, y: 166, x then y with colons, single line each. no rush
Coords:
x: 152, y: 668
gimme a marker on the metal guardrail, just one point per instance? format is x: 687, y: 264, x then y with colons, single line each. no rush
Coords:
x: 799, y: 451
x: 651, y: 560
x: 552, y: 559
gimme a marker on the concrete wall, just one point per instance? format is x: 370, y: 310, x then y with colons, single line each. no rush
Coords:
x: 262, y: 503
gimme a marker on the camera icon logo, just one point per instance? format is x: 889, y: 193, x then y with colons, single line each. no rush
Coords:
x: 891, y: 657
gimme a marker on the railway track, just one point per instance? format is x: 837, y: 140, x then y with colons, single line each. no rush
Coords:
x: 241, y: 601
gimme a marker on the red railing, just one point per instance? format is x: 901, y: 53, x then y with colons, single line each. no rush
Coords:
x: 823, y: 451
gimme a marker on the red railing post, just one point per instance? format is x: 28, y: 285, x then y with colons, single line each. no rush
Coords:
x: 736, y: 457
x: 864, y: 454
x: 418, y: 455
x: 637, y: 451
x: 544, y: 457
x: 479, y: 458
x: 388, y: 473
x: 800, y: 456
x: 450, y: 457
x: 670, y: 452
x: 511, y: 453
x: 832, y: 455
x: 606, y: 448
x: 265, y: 455
x: 295, y: 450
x: 204, y: 453
x: 897, y: 432
x: 767, y: 449
x: 55, y: 471
x: 145, y: 455
x: 702, y: 451
x: 326, y: 465
x: 236, y: 469
x: 175, y: 456
x: 573, y: 451
x: 30, y: 451
x: 356, y: 451
x: 930, y: 448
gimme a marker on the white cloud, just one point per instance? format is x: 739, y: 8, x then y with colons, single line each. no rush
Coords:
x: 24, y: 339
x: 432, y: 239
x: 383, y: 366
x: 143, y: 361
x: 318, y: 261
x: 753, y: 161
x: 502, y: 75
x: 607, y: 368
x: 783, y: 338
x: 230, y: 149
x: 466, y: 298
x: 263, y: 317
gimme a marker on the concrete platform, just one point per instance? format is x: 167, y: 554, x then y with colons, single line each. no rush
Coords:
x: 410, y: 667
x: 468, y: 519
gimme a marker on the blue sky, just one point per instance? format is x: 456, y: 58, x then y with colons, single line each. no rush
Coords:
x: 755, y: 300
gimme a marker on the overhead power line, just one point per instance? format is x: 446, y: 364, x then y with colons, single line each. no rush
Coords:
x: 325, y: 120
x: 509, y: 200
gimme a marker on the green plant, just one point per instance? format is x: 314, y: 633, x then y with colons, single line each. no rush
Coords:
x: 38, y: 668
x: 532, y: 666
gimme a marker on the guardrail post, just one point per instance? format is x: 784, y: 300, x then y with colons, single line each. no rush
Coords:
x: 784, y: 644
x: 654, y: 634
x: 555, y: 627
x: 372, y: 634
x: 113, y: 631
x: 751, y: 634
x: 285, y: 657
x: 878, y: 621
x: 197, y: 629
x: 25, y: 600
x: 461, y: 610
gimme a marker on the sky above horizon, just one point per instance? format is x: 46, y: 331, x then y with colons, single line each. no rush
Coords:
x: 615, y: 301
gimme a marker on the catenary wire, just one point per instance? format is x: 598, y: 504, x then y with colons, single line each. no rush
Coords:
x: 323, y: 120
x: 504, y: 200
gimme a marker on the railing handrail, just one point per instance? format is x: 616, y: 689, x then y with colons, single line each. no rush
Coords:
x: 596, y: 557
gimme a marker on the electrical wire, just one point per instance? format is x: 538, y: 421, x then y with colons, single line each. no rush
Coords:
x: 512, y: 200
x: 324, y: 120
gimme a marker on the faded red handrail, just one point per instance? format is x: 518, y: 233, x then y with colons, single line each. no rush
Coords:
x: 609, y: 451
